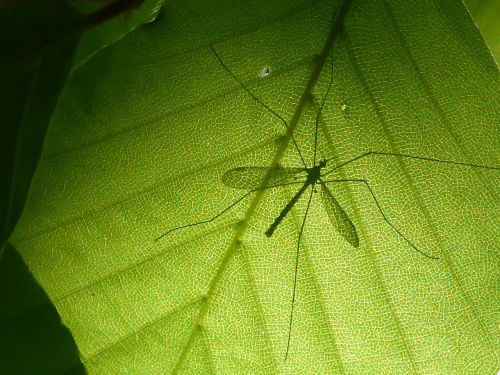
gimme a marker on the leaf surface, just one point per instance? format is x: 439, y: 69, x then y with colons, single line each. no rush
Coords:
x: 144, y: 131
x: 485, y: 14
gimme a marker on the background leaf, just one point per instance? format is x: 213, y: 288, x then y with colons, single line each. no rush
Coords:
x: 144, y: 131
x: 486, y: 14
x: 112, y: 30
x: 29, y: 86
x: 31, y: 341
x: 32, y: 338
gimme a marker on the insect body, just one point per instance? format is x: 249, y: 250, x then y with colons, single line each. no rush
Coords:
x: 313, y: 175
x: 250, y: 177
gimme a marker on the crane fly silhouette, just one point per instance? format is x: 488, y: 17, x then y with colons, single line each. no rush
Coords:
x: 250, y: 178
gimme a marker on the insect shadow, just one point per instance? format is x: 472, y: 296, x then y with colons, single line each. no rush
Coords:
x: 250, y: 178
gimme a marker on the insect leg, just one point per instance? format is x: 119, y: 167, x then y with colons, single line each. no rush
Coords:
x: 222, y: 212
x: 383, y: 214
x: 252, y: 95
x: 319, y: 113
x: 205, y: 221
x: 378, y: 153
x: 296, y: 272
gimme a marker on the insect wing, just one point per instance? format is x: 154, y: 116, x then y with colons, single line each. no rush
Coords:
x: 339, y: 217
x: 251, y: 177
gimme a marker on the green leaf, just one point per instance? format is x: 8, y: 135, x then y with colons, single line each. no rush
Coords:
x: 486, y: 14
x: 107, y: 33
x: 145, y: 130
x: 29, y: 87
x: 32, y: 340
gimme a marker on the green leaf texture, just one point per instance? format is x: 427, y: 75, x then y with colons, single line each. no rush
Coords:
x: 144, y: 131
x: 486, y: 14
x: 107, y: 33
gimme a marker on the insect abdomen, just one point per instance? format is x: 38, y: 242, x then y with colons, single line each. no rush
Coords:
x: 285, y: 210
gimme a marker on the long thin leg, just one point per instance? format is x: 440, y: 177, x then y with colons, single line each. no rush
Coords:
x: 319, y: 113
x: 376, y: 153
x: 383, y: 214
x: 296, y: 273
x: 259, y: 101
x: 223, y: 211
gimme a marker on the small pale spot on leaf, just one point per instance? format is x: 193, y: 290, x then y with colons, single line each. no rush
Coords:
x: 265, y: 71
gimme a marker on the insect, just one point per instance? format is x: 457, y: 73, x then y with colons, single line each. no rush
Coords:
x: 249, y: 178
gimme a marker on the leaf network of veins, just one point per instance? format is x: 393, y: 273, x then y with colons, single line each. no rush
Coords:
x: 319, y: 180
